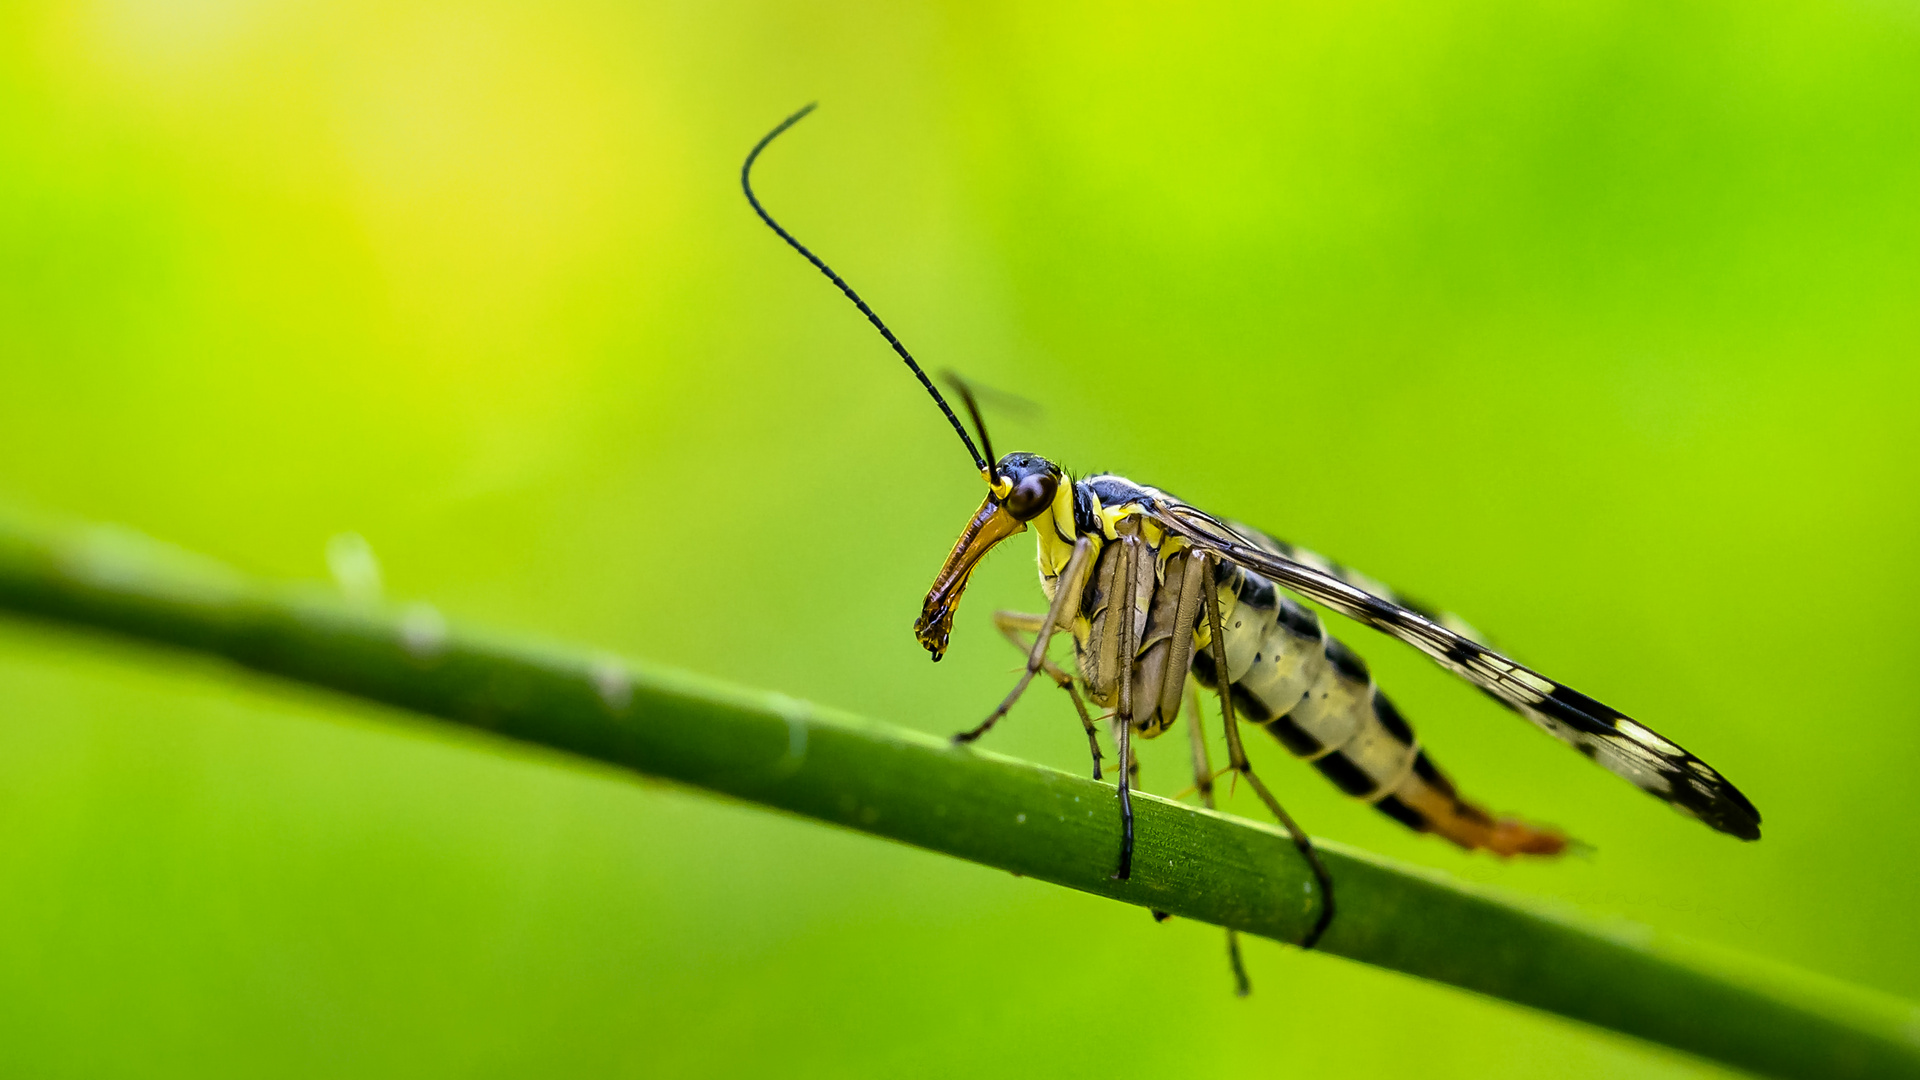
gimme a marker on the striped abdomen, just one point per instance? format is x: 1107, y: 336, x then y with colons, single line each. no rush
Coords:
x: 1314, y: 695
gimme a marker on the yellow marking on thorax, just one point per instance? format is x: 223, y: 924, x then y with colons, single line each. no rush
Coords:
x: 1111, y: 517
x: 1053, y: 538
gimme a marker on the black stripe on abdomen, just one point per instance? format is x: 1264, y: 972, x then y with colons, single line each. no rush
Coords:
x: 1345, y: 775
x: 1313, y: 694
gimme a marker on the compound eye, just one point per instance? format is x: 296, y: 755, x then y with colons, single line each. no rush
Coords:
x: 1030, y: 496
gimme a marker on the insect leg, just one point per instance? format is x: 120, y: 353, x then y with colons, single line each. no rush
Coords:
x: 1186, y: 576
x: 1012, y: 624
x: 1133, y: 760
x: 1072, y: 579
x: 1203, y: 782
x: 1237, y: 760
x: 1121, y: 618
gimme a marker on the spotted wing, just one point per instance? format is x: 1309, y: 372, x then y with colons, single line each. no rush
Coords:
x: 1609, y: 737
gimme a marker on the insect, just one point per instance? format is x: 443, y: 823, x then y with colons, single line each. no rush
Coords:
x: 1158, y: 595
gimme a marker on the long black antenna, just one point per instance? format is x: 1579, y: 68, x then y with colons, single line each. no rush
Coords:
x: 746, y: 185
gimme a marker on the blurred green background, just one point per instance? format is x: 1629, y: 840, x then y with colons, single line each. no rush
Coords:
x: 1595, y: 321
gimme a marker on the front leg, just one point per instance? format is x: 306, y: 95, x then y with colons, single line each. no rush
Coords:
x: 1012, y: 624
x: 1071, y: 581
x: 1120, y: 622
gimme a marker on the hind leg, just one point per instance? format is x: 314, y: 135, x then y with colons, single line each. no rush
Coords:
x: 1203, y: 782
x: 1237, y: 761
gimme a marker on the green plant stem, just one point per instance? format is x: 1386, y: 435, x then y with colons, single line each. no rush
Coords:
x: 775, y: 751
